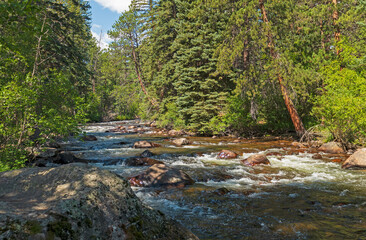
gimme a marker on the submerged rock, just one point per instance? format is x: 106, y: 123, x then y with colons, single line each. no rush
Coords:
x: 356, y: 160
x: 159, y: 175
x: 317, y: 156
x: 77, y: 201
x: 146, y: 154
x: 57, y: 157
x: 221, y: 191
x: 227, y: 154
x: 331, y: 147
x: 145, y: 144
x: 256, y: 159
x: 181, y: 141
x: 142, y: 162
x: 89, y: 138
x: 68, y: 157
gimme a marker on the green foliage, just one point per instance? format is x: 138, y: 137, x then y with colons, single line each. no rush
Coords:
x: 342, y: 105
x: 170, y: 117
x: 238, y: 115
x: 42, y: 74
x: 214, y: 66
x: 126, y: 103
x: 93, y: 109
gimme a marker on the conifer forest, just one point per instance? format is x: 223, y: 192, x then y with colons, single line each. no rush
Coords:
x: 214, y: 67
x: 254, y: 112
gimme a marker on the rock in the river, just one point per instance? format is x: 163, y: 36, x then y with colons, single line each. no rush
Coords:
x: 317, y: 156
x: 145, y: 144
x: 221, y: 191
x: 256, y: 159
x: 297, y: 144
x: 159, y: 175
x: 68, y: 157
x: 356, y: 160
x: 53, y: 144
x: 46, y: 152
x: 146, y: 154
x: 227, y: 154
x: 89, y: 138
x: 140, y: 129
x: 142, y: 162
x: 77, y: 201
x: 175, y: 132
x: 153, y: 124
x: 331, y: 147
x: 181, y: 141
x: 55, y: 157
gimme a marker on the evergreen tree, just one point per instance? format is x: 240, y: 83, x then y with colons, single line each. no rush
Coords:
x: 43, y: 71
x: 201, y: 94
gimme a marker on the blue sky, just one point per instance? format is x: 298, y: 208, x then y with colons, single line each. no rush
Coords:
x: 104, y: 14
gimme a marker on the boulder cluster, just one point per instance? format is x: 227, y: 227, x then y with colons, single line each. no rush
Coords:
x: 77, y: 201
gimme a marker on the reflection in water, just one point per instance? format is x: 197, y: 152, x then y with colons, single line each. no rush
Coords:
x: 296, y: 197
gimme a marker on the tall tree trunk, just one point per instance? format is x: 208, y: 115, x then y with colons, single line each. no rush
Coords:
x: 139, y: 74
x: 96, y: 62
x: 296, y: 120
x: 337, y: 33
x: 38, y: 50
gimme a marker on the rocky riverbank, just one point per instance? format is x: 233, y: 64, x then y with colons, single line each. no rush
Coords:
x: 200, y: 180
x: 77, y: 201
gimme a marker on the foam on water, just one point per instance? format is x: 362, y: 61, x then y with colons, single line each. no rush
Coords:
x: 292, y: 190
x: 191, y: 164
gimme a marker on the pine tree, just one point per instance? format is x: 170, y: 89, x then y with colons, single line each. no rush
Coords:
x: 201, y: 94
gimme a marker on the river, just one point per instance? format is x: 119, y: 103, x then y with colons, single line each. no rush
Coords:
x: 296, y: 197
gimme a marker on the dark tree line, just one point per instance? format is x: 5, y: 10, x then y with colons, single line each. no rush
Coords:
x: 211, y: 66
x: 248, y: 65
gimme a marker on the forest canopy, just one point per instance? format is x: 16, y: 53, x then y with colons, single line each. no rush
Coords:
x: 243, y: 67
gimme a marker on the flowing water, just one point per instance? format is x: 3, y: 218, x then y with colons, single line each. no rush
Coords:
x: 296, y: 197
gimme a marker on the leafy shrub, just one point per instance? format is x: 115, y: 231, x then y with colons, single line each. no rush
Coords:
x: 342, y: 106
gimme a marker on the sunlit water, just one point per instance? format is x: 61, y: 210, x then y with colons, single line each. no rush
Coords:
x: 296, y: 197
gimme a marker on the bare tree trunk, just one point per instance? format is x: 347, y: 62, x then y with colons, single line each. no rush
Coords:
x: 337, y: 33
x: 139, y: 74
x: 96, y: 62
x: 38, y: 50
x: 296, y: 120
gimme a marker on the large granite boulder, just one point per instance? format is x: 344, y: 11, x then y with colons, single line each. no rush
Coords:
x: 77, y: 201
x: 181, y: 141
x: 356, y: 160
x: 160, y: 175
x: 331, y: 147
x: 256, y: 159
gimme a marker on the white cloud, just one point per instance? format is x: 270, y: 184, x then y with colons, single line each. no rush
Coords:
x: 115, y: 5
x: 104, y: 40
x: 97, y: 26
